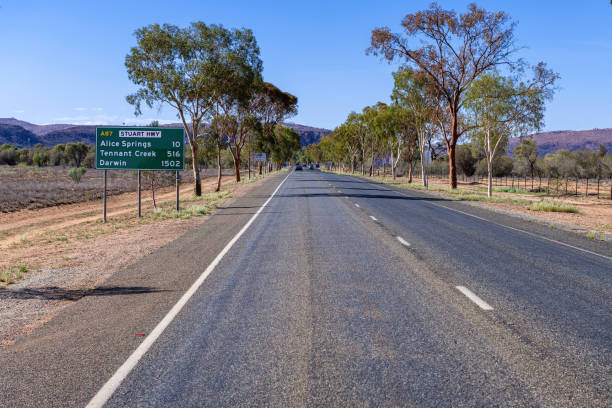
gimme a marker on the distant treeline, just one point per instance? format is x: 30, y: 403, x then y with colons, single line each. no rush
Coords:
x: 69, y: 154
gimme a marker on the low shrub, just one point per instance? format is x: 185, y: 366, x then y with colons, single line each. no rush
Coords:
x: 76, y: 174
x: 552, y: 206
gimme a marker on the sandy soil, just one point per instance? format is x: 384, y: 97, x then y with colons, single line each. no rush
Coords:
x: 593, y: 219
x: 68, y: 250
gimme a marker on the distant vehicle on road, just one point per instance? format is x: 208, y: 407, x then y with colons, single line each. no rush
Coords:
x: 298, y: 167
x: 311, y: 167
x: 317, y: 165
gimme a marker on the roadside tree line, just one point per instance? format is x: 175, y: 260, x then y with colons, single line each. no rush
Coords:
x: 459, y: 82
x: 212, y: 77
x: 69, y: 154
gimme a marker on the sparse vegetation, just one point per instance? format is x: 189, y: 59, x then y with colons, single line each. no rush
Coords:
x: 76, y: 174
x: 552, y: 206
x: 10, y: 274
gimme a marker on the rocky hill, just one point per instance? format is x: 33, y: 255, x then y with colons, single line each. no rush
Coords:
x: 550, y: 142
x: 25, y: 134
x: 308, y: 135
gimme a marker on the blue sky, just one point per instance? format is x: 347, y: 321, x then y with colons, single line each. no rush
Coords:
x: 62, y: 61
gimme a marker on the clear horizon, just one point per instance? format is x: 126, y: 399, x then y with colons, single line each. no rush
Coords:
x: 66, y: 63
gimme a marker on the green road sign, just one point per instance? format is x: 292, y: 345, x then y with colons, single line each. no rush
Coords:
x: 140, y: 148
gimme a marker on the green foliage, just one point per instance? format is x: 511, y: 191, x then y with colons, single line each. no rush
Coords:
x: 76, y: 173
x: 466, y: 162
x: 552, y: 206
x: 40, y: 159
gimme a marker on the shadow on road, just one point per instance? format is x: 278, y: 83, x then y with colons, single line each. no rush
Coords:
x: 56, y: 293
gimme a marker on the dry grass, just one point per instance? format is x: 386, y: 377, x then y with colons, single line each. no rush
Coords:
x: 552, y: 206
x: 32, y: 187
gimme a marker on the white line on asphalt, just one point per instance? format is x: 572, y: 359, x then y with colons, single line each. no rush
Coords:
x: 114, y: 382
x: 403, y: 241
x: 526, y: 232
x: 357, y: 205
x: 472, y: 296
x: 373, y: 218
x: 504, y: 226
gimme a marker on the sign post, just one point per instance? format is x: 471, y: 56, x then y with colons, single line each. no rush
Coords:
x: 261, y: 158
x: 139, y: 213
x: 140, y: 148
x: 104, y: 196
x: 177, y: 191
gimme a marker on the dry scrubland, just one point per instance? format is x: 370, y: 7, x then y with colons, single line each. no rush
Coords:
x: 39, y: 187
x: 53, y: 256
x: 591, y: 216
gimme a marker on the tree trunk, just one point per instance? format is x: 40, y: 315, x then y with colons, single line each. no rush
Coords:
x: 452, y: 169
x: 197, y: 187
x: 218, y: 168
x: 153, y: 193
x: 490, y: 178
x: 587, y: 188
x: 237, y: 167
x: 410, y: 170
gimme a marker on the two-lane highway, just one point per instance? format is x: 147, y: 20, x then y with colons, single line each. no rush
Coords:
x: 343, y: 292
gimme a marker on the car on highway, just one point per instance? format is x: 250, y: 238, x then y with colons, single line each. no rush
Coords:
x: 298, y: 167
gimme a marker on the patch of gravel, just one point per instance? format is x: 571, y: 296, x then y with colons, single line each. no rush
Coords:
x: 27, y: 302
x: 577, y: 229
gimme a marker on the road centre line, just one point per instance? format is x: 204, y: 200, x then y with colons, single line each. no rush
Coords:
x: 108, y: 389
x: 373, y: 218
x: 507, y: 226
x: 403, y: 241
x: 472, y: 296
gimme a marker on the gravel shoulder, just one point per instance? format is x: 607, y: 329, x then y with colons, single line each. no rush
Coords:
x: 68, y: 251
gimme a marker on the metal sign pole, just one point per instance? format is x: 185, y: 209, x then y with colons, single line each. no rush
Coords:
x: 104, y: 198
x: 177, y: 191
x: 139, y: 212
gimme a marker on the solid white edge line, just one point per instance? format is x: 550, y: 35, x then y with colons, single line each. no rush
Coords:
x: 108, y: 389
x: 403, y: 241
x: 373, y: 218
x: 526, y: 232
x: 357, y: 205
x: 472, y: 296
x: 506, y: 226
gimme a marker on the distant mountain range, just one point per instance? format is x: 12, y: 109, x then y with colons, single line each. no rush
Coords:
x: 550, y: 142
x: 25, y: 134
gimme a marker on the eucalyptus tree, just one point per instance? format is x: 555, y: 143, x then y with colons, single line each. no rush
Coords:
x: 346, y: 136
x: 410, y: 92
x: 272, y: 107
x: 500, y: 106
x: 452, y: 51
x: 408, y: 138
x: 179, y: 67
x: 528, y: 151
x: 234, y: 105
x: 359, y: 129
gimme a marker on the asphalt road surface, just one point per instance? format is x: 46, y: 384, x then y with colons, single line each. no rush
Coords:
x: 343, y: 292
